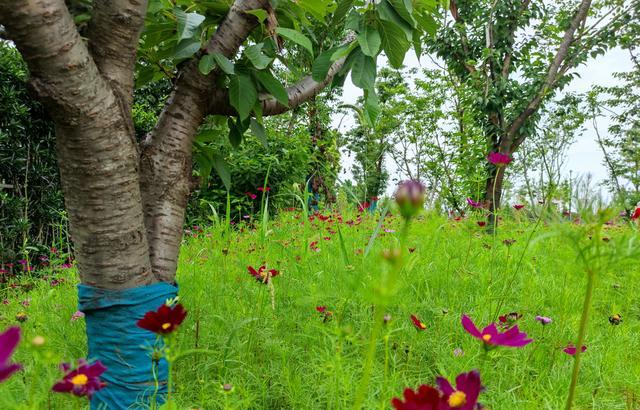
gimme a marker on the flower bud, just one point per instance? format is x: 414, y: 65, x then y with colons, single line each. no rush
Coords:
x: 410, y: 198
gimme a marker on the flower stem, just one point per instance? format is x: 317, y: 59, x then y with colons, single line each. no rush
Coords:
x: 581, y: 333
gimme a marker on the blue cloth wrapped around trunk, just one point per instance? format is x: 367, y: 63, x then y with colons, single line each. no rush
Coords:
x: 124, y: 348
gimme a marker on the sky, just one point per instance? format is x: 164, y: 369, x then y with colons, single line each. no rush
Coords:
x: 583, y: 157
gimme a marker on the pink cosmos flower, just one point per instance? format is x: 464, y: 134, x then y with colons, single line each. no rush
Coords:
x: 251, y: 195
x: 544, y: 320
x: 465, y: 395
x: 77, y: 315
x: 8, y: 342
x: 262, y: 275
x: 490, y: 336
x: 518, y: 207
x: 83, y: 381
x: 264, y: 189
x: 498, y: 159
x: 571, y: 349
x: 474, y: 204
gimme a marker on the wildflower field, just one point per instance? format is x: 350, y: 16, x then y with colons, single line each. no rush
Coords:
x: 347, y: 311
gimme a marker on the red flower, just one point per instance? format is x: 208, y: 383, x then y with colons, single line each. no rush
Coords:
x: 163, y: 321
x: 417, y: 323
x: 481, y: 223
x: 262, y: 275
x: 518, y: 207
x: 251, y: 195
x: 425, y: 398
x: 363, y: 206
x: 321, y: 309
x: 8, y: 342
x: 264, y: 189
x: 465, y: 395
x: 83, y: 381
x: 636, y: 214
x: 498, y: 159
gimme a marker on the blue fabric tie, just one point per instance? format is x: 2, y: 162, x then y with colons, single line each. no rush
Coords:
x: 124, y: 348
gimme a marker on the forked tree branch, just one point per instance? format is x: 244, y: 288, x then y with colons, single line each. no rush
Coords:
x: 553, y: 74
x: 299, y: 93
x: 113, y: 33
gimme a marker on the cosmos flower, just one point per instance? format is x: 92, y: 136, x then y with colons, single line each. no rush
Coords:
x: 509, y: 319
x: 410, y: 197
x: 544, y: 320
x: 571, y: 349
x: 474, y: 204
x: 636, y: 214
x: 425, y: 398
x: 264, y: 189
x: 491, y: 337
x: 8, y: 342
x: 417, y: 323
x: 518, y: 207
x: 481, y: 223
x: 465, y: 395
x: 262, y: 275
x: 498, y: 159
x: 83, y: 381
x: 163, y: 321
x: 77, y: 315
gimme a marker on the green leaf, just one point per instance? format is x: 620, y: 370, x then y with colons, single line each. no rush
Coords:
x: 370, y: 41
x: 321, y: 65
x: 363, y: 73
x: 342, y: 9
x: 273, y: 86
x: 394, y: 44
x: 260, y: 14
x: 186, y: 48
x: 206, y: 64
x: 371, y: 106
x: 224, y: 63
x: 258, y: 130
x: 188, y: 23
x: 389, y: 15
x: 242, y: 94
x: 235, y: 134
x: 221, y: 167
x: 317, y: 8
x: 257, y: 57
x: 404, y: 8
x: 297, y: 37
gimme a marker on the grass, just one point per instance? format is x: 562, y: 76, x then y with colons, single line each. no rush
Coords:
x: 277, y: 352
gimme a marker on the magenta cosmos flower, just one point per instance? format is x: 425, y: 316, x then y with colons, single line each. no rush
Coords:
x: 571, y: 349
x: 474, y: 204
x: 518, y: 207
x: 544, y: 320
x: 491, y: 337
x: 8, y: 342
x: 465, y: 395
x: 83, y: 381
x: 498, y: 159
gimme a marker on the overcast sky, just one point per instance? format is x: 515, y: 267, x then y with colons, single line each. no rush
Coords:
x: 584, y: 156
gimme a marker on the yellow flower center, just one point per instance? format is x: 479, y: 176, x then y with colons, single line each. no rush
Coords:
x: 486, y: 338
x: 166, y: 326
x: 80, y: 379
x: 457, y: 399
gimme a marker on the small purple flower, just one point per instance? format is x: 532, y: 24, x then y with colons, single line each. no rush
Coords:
x: 77, y: 315
x: 5, y: 301
x: 499, y: 159
x: 410, y: 197
x: 544, y: 320
x: 8, y: 342
x: 474, y: 204
x: 66, y: 265
x: 22, y: 262
x: 491, y: 337
x: 389, y: 230
x: 26, y: 302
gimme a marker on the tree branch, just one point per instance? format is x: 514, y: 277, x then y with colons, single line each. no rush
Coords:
x: 299, y: 93
x: 165, y: 165
x: 552, y: 74
x: 113, y: 33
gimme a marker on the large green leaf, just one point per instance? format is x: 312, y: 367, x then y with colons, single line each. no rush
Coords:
x: 273, y: 86
x: 188, y: 23
x: 221, y: 167
x: 186, y: 48
x: 363, y: 73
x: 224, y: 63
x: 297, y: 37
x: 322, y: 64
x: 235, y: 134
x: 242, y: 94
x: 404, y: 8
x: 257, y: 57
x: 317, y: 8
x: 371, y: 106
x: 389, y: 15
x: 258, y: 130
x: 394, y: 44
x: 206, y: 64
x: 370, y: 41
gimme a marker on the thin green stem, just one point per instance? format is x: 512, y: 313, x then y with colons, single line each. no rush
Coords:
x: 581, y: 334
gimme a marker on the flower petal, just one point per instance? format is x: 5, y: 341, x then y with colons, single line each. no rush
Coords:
x: 470, y: 327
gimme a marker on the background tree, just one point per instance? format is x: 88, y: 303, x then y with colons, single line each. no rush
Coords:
x: 126, y: 200
x: 491, y: 47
